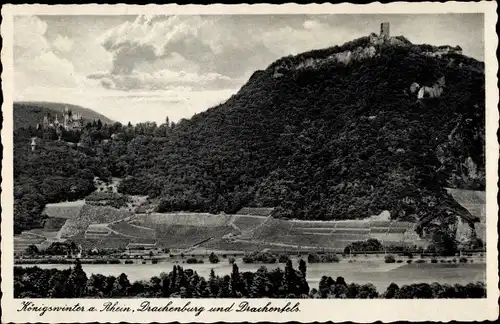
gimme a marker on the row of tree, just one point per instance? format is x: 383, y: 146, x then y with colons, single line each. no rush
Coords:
x: 34, y: 282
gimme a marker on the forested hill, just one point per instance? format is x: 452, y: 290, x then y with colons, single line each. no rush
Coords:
x: 322, y: 137
x: 31, y: 113
x: 330, y: 134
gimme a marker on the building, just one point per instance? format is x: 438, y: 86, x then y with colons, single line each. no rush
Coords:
x: 70, y: 121
x: 34, y: 143
x: 384, y: 30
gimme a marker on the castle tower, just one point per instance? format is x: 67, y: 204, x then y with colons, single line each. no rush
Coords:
x: 45, y: 121
x: 384, y: 30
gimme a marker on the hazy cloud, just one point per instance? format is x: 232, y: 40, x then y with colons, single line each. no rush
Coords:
x: 63, y: 43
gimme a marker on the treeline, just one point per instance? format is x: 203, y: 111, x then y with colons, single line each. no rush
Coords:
x: 34, y: 282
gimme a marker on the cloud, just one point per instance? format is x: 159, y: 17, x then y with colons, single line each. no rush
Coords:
x: 208, y: 46
x: 35, y: 61
x: 63, y: 44
x: 232, y: 47
x: 161, y: 80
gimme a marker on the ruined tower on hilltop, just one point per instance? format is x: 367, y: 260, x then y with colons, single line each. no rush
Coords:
x: 384, y: 30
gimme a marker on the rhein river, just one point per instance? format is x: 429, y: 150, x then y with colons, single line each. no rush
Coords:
x: 379, y: 274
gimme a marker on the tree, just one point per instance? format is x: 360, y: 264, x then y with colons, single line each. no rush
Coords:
x: 121, y: 286
x: 390, y: 258
x: 32, y: 250
x: 302, y: 268
x: 236, y: 284
x: 213, y: 258
x: 76, y: 283
x: 213, y: 284
x: 391, y: 291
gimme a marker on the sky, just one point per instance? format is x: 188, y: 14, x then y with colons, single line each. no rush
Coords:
x: 147, y: 68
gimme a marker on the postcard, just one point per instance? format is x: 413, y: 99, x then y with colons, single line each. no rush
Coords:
x: 246, y: 163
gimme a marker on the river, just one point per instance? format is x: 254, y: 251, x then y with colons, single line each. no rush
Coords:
x: 379, y: 274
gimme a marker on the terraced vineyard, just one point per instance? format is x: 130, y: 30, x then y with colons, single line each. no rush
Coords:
x: 130, y: 230
x: 22, y: 241
x: 93, y: 215
x: 111, y: 241
x: 328, y: 235
x: 247, y: 223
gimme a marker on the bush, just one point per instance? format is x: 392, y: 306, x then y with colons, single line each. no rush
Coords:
x: 192, y: 261
x: 129, y: 262
x: 224, y: 256
x: 399, y: 261
x: 390, y: 258
x: 420, y: 261
x: 213, y: 258
x: 259, y: 257
x: 409, y: 261
x: 313, y: 258
x: 329, y: 258
x: 283, y: 258
x: 434, y: 261
x: 463, y: 260
x: 232, y: 260
x: 454, y: 260
x: 154, y: 261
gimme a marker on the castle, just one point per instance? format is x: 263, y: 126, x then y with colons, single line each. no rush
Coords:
x: 69, y: 121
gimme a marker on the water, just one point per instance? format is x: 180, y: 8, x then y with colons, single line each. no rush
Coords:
x: 379, y: 274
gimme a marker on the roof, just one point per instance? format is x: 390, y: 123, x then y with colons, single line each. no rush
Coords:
x: 258, y: 211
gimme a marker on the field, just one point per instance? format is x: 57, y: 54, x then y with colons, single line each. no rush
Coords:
x: 188, y: 219
x: 21, y: 242
x: 256, y: 211
x: 54, y: 224
x: 68, y: 210
x: 127, y: 229
x: 247, y: 223
x: 237, y: 232
x: 182, y: 236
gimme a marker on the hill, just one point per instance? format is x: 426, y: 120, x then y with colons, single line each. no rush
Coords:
x: 339, y: 133
x: 31, y: 113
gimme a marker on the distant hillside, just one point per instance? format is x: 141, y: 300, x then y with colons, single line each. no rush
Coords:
x: 31, y: 113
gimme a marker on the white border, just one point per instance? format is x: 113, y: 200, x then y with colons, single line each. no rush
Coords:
x: 311, y: 310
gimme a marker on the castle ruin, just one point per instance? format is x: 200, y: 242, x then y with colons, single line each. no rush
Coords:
x: 384, y: 30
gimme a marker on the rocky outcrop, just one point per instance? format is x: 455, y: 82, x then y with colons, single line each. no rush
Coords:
x: 433, y: 91
x: 443, y: 50
x: 345, y: 57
